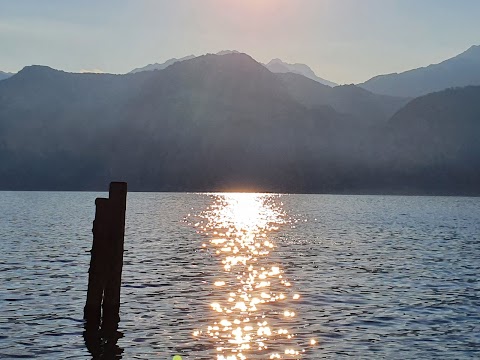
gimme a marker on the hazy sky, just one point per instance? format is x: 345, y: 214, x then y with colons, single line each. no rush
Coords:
x: 346, y: 41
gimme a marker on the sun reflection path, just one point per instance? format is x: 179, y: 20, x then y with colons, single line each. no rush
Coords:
x: 255, y: 306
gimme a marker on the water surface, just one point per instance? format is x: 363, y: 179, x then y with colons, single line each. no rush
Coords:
x: 249, y: 276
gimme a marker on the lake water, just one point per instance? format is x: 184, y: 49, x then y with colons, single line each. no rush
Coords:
x: 248, y: 276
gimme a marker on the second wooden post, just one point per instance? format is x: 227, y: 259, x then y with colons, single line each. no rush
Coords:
x: 111, y: 296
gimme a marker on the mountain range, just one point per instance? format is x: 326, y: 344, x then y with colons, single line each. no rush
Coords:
x: 459, y: 71
x: 225, y: 122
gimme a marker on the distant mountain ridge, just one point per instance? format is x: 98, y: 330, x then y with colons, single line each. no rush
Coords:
x: 275, y: 66
x: 228, y: 52
x: 278, y: 66
x: 172, y: 61
x: 157, y: 66
x: 459, y: 71
x: 5, y: 75
x: 346, y: 99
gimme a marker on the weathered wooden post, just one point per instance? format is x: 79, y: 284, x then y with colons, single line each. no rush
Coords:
x: 98, y: 265
x: 105, y: 274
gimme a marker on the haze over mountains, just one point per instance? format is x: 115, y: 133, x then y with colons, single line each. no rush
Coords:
x: 228, y: 123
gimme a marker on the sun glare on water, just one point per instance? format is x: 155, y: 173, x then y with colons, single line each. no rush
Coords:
x: 254, y: 307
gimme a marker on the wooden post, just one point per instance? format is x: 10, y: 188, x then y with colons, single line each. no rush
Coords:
x: 105, y: 274
x: 98, y: 264
x: 111, y: 297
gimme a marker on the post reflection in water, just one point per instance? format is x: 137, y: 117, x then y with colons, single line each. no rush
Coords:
x: 254, y: 303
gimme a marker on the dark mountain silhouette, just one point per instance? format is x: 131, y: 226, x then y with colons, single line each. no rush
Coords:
x: 435, y: 140
x: 208, y: 123
x: 5, y: 75
x: 278, y: 66
x: 459, y: 71
x: 216, y: 123
x: 346, y: 99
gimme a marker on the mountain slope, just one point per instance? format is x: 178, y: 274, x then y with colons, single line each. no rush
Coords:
x: 440, y: 127
x: 459, y: 71
x: 278, y: 66
x: 348, y: 99
x: 433, y: 142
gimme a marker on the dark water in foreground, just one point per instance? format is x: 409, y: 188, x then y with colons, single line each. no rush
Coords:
x: 249, y: 276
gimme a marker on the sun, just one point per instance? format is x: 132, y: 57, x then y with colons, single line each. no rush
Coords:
x: 259, y: 8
